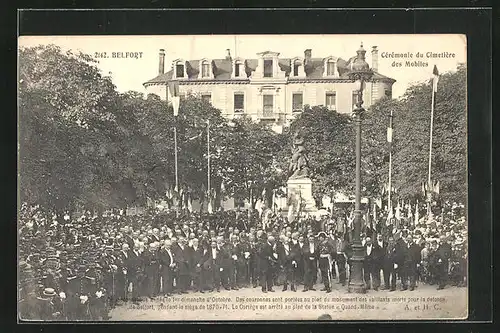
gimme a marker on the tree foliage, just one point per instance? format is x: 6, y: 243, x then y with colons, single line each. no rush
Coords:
x: 81, y: 143
x: 449, y: 149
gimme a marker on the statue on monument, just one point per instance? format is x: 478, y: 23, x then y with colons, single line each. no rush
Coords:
x: 299, y: 164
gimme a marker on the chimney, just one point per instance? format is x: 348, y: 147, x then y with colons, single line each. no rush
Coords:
x: 228, y: 54
x: 374, y: 59
x: 161, y: 67
x: 307, y: 56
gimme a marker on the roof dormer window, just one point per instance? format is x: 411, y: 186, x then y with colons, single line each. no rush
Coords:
x: 238, y: 69
x: 205, y: 69
x: 330, y: 67
x: 179, y: 69
x: 297, y: 67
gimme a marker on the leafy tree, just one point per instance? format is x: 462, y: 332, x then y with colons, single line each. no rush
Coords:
x: 449, y: 158
x: 330, y: 143
x: 65, y: 117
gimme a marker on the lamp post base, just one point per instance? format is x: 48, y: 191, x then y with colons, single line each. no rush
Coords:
x: 356, y: 284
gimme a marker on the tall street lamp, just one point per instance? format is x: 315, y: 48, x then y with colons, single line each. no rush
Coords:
x: 360, y: 73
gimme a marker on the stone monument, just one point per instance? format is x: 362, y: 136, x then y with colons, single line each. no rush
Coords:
x: 299, y: 184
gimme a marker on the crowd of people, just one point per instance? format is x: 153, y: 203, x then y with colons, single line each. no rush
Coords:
x: 79, y: 268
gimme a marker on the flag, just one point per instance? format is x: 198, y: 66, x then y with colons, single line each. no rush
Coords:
x: 416, y: 212
x: 189, y: 204
x: 173, y: 87
x: 290, y: 214
x: 435, y: 79
x: 378, y: 202
x: 389, y: 217
x: 209, y: 206
x: 389, y: 134
x: 410, y: 214
x: 375, y: 212
x: 436, y: 187
x: 398, y: 212
x: 169, y: 193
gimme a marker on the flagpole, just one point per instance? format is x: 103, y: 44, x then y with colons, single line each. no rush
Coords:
x: 208, y: 159
x: 175, y: 157
x: 429, y: 184
x: 389, y: 202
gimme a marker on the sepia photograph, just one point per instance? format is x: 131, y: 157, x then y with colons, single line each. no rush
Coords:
x: 242, y: 177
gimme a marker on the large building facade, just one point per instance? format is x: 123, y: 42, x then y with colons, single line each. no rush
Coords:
x: 269, y: 88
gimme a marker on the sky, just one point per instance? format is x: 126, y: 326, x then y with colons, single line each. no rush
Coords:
x: 130, y: 73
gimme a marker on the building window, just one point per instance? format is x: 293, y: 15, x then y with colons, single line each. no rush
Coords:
x: 205, y: 69
x: 268, y: 68
x: 179, y: 70
x: 354, y: 99
x: 388, y: 93
x: 296, y: 69
x: 331, y: 101
x: 297, y: 102
x: 268, y: 107
x: 238, y: 69
x: 239, y: 101
x: 206, y: 97
x: 330, y: 68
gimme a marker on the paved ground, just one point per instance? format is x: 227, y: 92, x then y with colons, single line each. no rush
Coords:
x: 251, y: 304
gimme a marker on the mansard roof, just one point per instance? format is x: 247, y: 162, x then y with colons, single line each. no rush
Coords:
x: 223, y: 69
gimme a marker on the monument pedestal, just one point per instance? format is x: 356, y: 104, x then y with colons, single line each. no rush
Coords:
x: 301, y: 190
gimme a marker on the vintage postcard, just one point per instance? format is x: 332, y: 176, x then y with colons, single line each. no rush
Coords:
x: 242, y: 177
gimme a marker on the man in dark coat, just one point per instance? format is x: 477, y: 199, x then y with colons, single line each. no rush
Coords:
x: 443, y: 255
x: 167, y: 262
x: 183, y: 266
x: 370, y: 264
x: 152, y: 270
x: 197, y: 252
x: 400, y: 254
x: 212, y: 264
x: 389, y: 260
x: 123, y: 269
x: 378, y: 256
x: 288, y: 257
x: 135, y: 269
x: 325, y: 254
x: 411, y: 262
x: 253, y: 261
x: 310, y: 255
x: 268, y: 261
x: 341, y: 257
x: 233, y: 250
